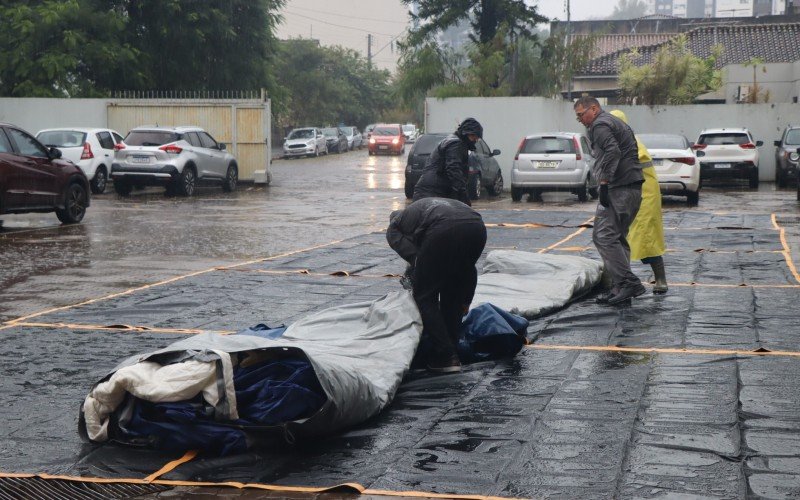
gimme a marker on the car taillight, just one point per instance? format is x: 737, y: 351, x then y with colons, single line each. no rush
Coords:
x: 119, y: 146
x: 519, y: 148
x: 577, y: 148
x: 698, y: 146
x: 747, y: 145
x: 171, y: 149
x: 689, y: 160
x: 87, y: 154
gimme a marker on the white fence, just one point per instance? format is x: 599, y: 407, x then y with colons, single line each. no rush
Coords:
x: 506, y: 120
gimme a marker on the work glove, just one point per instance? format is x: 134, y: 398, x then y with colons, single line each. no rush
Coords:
x: 604, y: 199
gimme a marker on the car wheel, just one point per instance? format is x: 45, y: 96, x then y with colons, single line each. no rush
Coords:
x: 516, y: 194
x: 693, y: 198
x: 474, y: 187
x: 496, y: 186
x: 754, y: 179
x: 583, y: 192
x: 186, y: 181
x: 780, y: 178
x: 100, y: 181
x: 231, y: 178
x: 122, y: 188
x: 75, y: 203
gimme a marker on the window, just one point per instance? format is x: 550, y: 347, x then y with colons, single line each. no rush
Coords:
x: 207, y: 140
x: 724, y: 138
x: 117, y: 137
x: 62, y: 138
x: 386, y: 131
x: 106, y: 142
x: 427, y: 143
x: 663, y: 141
x: 27, y: 145
x: 150, y: 138
x: 5, y: 146
x: 793, y: 137
x: 549, y: 145
x: 303, y: 133
x: 191, y: 138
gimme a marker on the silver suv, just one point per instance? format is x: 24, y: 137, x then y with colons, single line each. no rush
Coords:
x: 175, y: 157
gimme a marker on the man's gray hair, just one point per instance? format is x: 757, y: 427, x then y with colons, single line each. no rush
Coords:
x: 586, y: 102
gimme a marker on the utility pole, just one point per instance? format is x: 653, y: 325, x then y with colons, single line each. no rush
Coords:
x: 569, y: 59
x: 369, y: 50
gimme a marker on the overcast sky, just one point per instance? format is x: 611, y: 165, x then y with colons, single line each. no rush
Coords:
x: 348, y: 22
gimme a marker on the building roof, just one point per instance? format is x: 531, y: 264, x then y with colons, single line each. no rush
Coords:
x: 774, y: 43
x: 608, y: 44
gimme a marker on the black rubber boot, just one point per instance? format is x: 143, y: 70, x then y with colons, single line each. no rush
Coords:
x: 661, y: 276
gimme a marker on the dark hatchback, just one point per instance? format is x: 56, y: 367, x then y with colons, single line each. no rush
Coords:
x: 484, y: 171
x: 36, y: 179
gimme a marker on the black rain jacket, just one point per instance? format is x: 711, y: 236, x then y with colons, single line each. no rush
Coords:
x: 614, y: 146
x: 446, y: 172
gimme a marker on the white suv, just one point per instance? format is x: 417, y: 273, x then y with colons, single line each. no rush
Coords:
x: 175, y: 157
x: 728, y: 153
x: 91, y: 149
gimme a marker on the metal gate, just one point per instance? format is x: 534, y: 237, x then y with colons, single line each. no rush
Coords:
x: 243, y: 124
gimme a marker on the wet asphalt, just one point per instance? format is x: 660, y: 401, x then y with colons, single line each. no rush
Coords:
x: 124, y: 243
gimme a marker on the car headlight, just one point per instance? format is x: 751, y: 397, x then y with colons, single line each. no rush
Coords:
x: 310, y: 145
x: 395, y: 140
x: 794, y: 156
x: 371, y: 140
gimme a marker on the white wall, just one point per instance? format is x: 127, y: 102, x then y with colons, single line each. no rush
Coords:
x: 506, y: 120
x: 34, y: 114
x: 780, y: 79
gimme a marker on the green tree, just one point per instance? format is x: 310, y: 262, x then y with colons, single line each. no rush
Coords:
x: 676, y: 76
x: 486, y: 16
x: 629, y: 9
x: 545, y: 69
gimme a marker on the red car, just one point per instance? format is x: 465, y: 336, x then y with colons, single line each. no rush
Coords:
x: 36, y: 179
x: 387, y: 138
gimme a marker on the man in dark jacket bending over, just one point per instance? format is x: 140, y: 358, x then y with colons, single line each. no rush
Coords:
x: 441, y: 239
x: 619, y: 174
x: 446, y: 172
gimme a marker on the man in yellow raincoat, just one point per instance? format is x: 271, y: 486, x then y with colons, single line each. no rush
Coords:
x: 646, y: 234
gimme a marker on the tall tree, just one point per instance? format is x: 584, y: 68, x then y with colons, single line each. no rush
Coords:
x: 676, y: 76
x: 486, y: 16
x: 629, y: 9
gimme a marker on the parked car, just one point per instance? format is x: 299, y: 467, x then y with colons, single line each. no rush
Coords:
x: 353, y: 138
x: 553, y: 161
x: 728, y: 153
x: 337, y: 141
x: 387, y: 138
x: 483, y: 167
x: 411, y: 132
x: 367, y: 133
x: 91, y: 149
x: 786, y: 156
x: 308, y: 141
x: 34, y: 178
x: 175, y: 157
x: 676, y: 165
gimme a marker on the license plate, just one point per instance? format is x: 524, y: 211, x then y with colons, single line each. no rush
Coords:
x: 383, y: 147
x: 722, y: 165
x: 140, y: 159
x: 545, y: 164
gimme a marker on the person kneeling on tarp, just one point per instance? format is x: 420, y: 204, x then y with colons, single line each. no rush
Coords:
x: 441, y: 239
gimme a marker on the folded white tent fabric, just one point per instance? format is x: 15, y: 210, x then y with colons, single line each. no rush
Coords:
x: 359, y: 353
x: 533, y: 284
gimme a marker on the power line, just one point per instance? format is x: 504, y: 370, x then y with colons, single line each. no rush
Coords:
x: 337, y: 25
x: 349, y: 16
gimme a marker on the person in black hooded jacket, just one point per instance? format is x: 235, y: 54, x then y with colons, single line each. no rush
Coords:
x: 446, y: 172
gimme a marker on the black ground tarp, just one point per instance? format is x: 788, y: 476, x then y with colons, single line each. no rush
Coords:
x: 559, y: 419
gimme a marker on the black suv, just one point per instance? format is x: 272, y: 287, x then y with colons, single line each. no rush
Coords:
x: 484, y: 171
x: 786, y: 156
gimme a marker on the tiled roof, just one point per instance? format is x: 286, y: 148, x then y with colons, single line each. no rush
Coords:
x: 774, y: 43
x: 607, y: 44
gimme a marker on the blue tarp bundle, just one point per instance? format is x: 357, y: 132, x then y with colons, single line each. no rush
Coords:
x: 488, y: 332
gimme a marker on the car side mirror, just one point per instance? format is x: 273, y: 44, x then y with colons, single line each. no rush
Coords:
x: 759, y: 144
x: 222, y: 146
x: 54, y: 153
x: 496, y: 152
x: 777, y: 143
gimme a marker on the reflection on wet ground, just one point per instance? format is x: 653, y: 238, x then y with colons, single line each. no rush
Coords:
x: 661, y: 398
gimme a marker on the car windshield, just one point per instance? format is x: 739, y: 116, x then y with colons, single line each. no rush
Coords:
x: 427, y: 143
x: 62, y: 138
x: 793, y: 136
x: 722, y: 139
x: 409, y: 128
x: 548, y: 145
x: 303, y: 133
x: 330, y: 132
x: 150, y: 137
x: 386, y: 131
x: 663, y: 141
x: 369, y: 127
